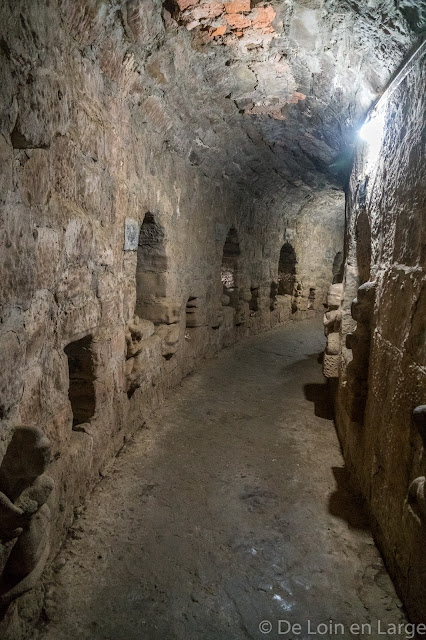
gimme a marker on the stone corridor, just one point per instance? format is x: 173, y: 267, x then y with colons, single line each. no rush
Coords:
x: 231, y: 507
x: 187, y: 188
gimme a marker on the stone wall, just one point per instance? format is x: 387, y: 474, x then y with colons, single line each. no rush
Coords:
x: 111, y: 253
x: 381, y: 416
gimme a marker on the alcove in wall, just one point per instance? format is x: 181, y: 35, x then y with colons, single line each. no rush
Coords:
x: 287, y: 270
x: 254, y: 301
x: 81, y: 390
x: 151, y: 261
x: 229, y: 269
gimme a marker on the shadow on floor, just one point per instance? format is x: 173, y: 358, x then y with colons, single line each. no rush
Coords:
x: 320, y: 395
x: 346, y: 505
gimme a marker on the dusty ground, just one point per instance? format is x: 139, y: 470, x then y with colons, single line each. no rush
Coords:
x: 229, y: 509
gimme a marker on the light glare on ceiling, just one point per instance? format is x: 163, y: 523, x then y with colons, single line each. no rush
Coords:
x: 371, y: 133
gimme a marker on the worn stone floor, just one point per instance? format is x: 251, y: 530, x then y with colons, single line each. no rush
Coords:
x: 230, y: 509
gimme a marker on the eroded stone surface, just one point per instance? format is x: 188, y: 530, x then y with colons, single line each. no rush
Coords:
x: 192, y: 119
x: 382, y: 386
x: 205, y: 525
x: 25, y: 516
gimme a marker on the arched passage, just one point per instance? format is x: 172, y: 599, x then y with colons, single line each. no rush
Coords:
x: 229, y: 269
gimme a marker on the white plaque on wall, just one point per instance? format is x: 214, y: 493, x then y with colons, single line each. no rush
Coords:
x: 131, y: 234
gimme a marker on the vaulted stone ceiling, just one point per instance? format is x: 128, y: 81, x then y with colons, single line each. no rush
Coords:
x: 252, y: 93
x: 251, y: 90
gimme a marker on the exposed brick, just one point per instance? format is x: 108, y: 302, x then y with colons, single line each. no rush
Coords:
x: 262, y: 18
x: 237, y: 21
x: 237, y: 6
x: 185, y: 4
x: 220, y: 31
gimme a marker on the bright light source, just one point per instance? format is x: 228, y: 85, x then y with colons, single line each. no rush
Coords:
x: 372, y: 129
x: 372, y: 133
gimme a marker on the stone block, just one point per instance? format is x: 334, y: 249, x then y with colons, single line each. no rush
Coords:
x: 151, y: 285
x: 334, y: 297
x: 49, y: 257
x: 237, y: 6
x: 228, y: 315
x: 6, y: 162
x: 210, y: 10
x: 333, y: 344
x: 217, y: 318
x: 145, y: 328
x: 33, y: 175
x: 12, y: 353
x: 237, y: 21
x: 196, y: 318
x: 263, y: 16
x: 78, y: 315
x: 242, y: 313
x: 162, y: 311
x: 331, y: 365
x: 79, y: 240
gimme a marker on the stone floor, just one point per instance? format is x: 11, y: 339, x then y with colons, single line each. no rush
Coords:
x: 229, y: 509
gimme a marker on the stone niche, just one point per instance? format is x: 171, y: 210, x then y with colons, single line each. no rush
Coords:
x: 236, y: 306
x: 284, y: 290
x: 153, y: 334
x: 153, y: 284
x: 287, y: 270
x: 81, y: 377
x: 230, y: 269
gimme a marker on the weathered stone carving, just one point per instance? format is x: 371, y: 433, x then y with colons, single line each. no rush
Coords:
x: 24, y: 514
x: 332, y: 321
x: 145, y: 343
x: 416, y: 497
x: 138, y: 331
x: 419, y: 419
x: 169, y: 335
x: 359, y: 342
x: 296, y: 303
